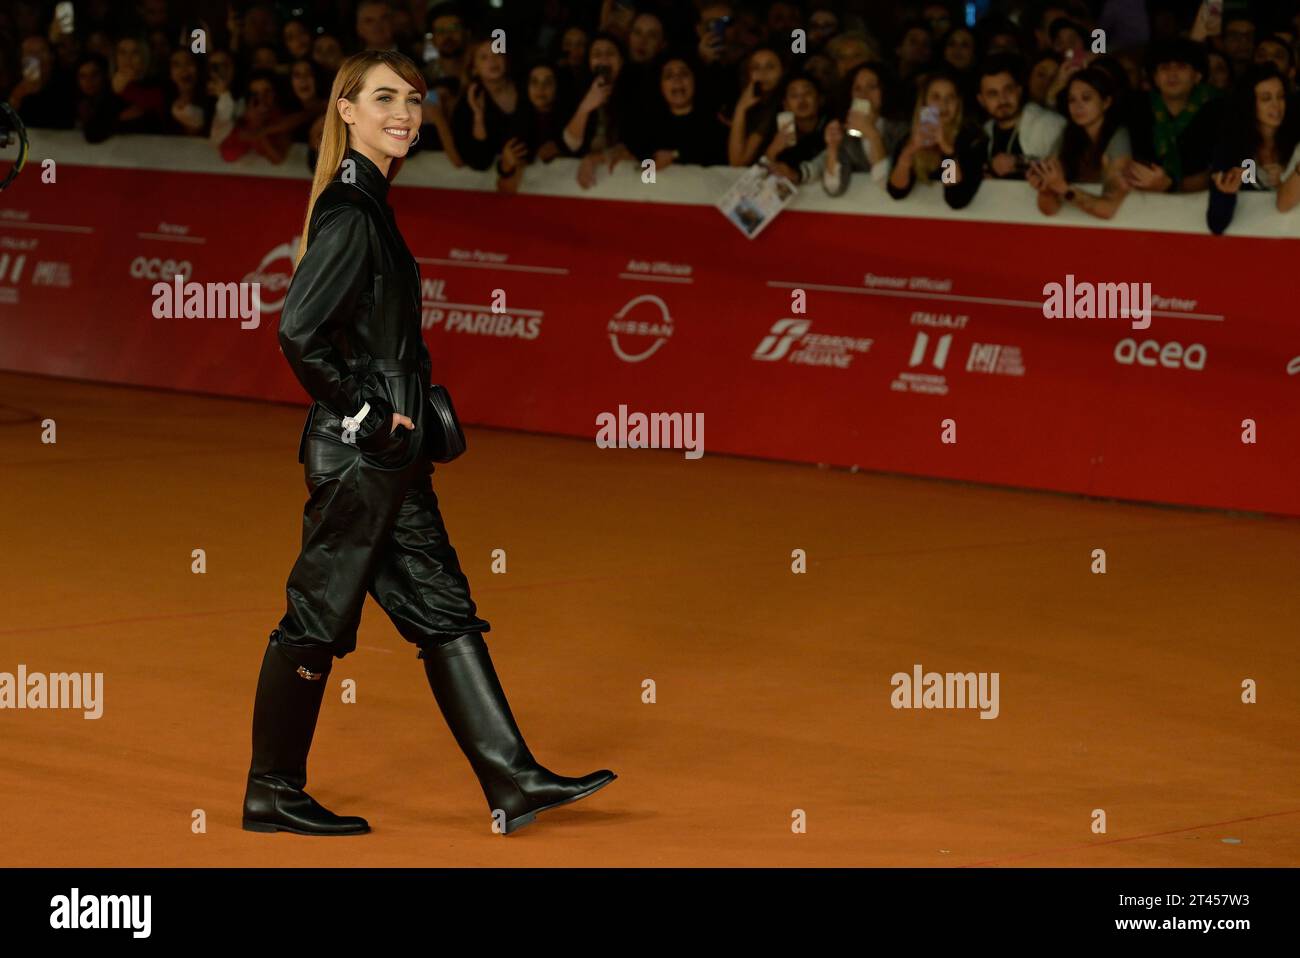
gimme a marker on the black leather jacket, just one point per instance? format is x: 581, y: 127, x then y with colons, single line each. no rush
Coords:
x: 350, y: 324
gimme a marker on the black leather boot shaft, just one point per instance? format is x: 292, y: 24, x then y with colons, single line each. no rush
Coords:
x: 469, y: 694
x: 284, y: 721
x: 285, y: 713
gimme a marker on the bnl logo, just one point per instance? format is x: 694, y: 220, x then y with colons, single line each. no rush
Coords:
x: 922, y: 345
x: 785, y: 333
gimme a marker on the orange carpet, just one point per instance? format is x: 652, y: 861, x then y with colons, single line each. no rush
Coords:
x: 772, y: 690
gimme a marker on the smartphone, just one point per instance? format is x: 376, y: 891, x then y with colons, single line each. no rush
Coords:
x: 602, y: 72
x: 1076, y: 56
x: 785, y: 124
x: 430, y: 49
x: 63, y: 14
x: 1214, y: 17
x: 861, y: 106
x: 31, y: 69
x: 718, y: 27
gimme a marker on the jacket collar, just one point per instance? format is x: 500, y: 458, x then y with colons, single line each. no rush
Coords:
x: 368, y: 176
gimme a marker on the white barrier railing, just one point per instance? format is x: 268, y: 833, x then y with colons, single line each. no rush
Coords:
x: 997, y: 201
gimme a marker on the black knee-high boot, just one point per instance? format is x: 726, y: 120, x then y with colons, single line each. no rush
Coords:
x: 284, y: 721
x: 469, y: 694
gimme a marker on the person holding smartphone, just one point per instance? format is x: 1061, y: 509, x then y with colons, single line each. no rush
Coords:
x: 1070, y: 49
x: 1018, y: 131
x: 864, y: 140
x: 1095, y: 148
x: 715, y: 30
x: 603, y: 128
x: 350, y: 330
x: 754, y: 116
x: 145, y: 111
x: 718, y: 52
x: 1233, y: 31
x: 797, y: 134
x: 942, y: 147
x: 1209, y: 20
x: 44, y: 98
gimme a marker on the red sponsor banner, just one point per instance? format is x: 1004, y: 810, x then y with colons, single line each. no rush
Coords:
x: 849, y: 340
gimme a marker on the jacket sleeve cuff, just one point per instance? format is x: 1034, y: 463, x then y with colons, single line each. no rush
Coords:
x: 374, y: 429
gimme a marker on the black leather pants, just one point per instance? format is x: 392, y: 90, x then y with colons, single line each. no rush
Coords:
x: 369, y: 528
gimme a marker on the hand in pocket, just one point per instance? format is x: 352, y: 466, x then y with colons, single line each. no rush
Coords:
x: 395, y: 452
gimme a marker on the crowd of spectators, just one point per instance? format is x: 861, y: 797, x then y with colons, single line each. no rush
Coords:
x: 1179, y: 96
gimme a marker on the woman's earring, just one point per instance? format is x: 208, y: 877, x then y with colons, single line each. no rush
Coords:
x: 417, y: 138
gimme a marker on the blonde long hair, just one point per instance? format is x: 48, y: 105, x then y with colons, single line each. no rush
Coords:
x: 348, y: 83
x: 925, y: 162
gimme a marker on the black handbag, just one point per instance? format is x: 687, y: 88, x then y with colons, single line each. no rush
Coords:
x: 443, y: 437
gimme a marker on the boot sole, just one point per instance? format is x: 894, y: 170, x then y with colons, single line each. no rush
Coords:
x: 267, y: 827
x: 514, y: 824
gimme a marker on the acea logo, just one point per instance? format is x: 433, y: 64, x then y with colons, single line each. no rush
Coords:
x: 636, y: 339
x: 791, y: 340
x: 151, y: 267
x: 1129, y: 352
x: 273, y: 274
x: 1293, y: 367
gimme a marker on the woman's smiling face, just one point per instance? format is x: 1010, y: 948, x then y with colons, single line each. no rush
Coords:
x: 1270, y: 103
x: 383, y: 118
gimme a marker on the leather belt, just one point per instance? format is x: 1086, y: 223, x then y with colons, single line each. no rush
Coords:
x: 386, y: 365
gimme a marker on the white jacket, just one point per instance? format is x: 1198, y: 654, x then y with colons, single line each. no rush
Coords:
x: 1038, y: 131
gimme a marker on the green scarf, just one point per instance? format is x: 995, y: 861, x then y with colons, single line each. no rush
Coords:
x: 1168, y: 128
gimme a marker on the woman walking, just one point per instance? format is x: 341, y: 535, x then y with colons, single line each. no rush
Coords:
x: 350, y: 329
